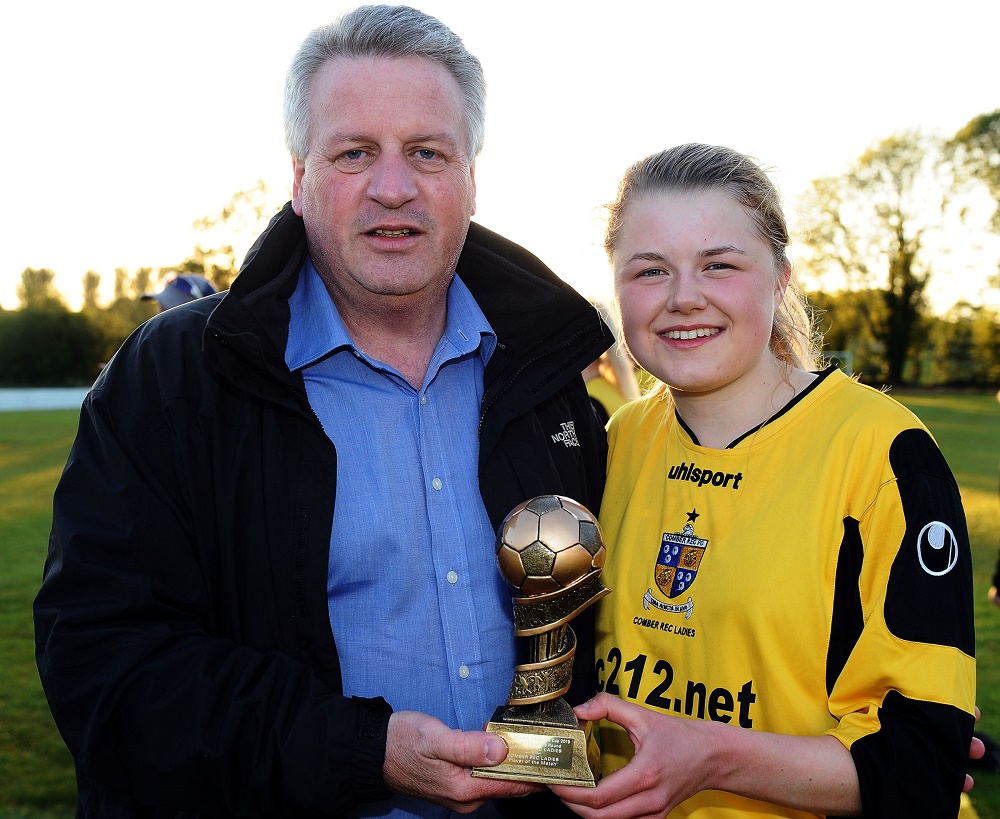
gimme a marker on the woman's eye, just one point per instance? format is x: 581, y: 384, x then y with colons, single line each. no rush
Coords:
x: 651, y: 272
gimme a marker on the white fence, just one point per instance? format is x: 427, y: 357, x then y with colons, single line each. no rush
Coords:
x: 42, y: 399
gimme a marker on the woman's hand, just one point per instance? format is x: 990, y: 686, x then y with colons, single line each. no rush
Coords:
x: 675, y: 758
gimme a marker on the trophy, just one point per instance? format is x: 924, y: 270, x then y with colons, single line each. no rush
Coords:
x: 550, y: 552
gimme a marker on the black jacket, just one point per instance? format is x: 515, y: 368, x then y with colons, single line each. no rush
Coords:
x: 182, y: 632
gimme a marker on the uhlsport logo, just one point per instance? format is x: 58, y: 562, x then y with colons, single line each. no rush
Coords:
x: 934, y: 558
x: 685, y: 471
x: 677, y: 563
x: 566, y: 435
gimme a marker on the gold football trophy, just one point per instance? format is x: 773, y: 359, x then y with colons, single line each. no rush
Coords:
x: 551, y: 552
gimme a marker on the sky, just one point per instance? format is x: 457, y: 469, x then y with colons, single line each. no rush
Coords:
x: 124, y: 122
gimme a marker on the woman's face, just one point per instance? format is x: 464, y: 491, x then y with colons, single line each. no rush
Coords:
x: 697, y: 287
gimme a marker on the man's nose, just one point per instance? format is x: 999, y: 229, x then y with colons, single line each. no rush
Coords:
x: 393, y: 180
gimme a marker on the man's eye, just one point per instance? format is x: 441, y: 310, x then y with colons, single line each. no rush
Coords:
x: 651, y: 272
x: 427, y: 154
x: 354, y: 160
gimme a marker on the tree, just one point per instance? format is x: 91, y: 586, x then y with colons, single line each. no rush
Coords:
x: 975, y: 151
x: 215, y: 255
x: 126, y: 312
x: 131, y: 286
x: 37, y: 289
x: 975, y: 154
x: 845, y: 320
x: 876, y: 227
x: 91, y: 286
x: 964, y: 348
x: 47, y: 346
x: 986, y: 340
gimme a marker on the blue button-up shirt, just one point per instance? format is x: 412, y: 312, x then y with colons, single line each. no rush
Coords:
x: 419, y: 611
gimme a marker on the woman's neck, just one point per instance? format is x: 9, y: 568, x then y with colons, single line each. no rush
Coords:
x: 719, y: 417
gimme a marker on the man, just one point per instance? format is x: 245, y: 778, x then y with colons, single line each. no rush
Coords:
x: 181, y: 290
x: 278, y: 515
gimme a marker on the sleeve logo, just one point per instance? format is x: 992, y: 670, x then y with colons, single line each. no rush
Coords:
x: 932, y: 541
x: 566, y: 435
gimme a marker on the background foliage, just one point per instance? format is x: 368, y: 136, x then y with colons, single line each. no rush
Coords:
x: 872, y: 241
x: 45, y: 344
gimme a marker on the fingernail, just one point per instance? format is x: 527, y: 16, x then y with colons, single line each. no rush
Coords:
x: 493, y: 749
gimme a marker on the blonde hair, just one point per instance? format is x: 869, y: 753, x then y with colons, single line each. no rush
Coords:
x: 696, y: 167
x: 616, y: 365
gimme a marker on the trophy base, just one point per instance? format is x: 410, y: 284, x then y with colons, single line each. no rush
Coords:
x: 542, y: 751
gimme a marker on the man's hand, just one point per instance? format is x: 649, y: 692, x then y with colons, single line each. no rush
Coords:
x: 427, y: 759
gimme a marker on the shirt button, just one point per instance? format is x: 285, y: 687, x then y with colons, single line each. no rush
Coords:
x: 436, y: 483
x: 463, y: 671
x: 452, y: 577
x: 423, y: 400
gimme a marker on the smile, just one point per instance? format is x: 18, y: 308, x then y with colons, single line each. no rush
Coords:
x: 687, y: 335
x: 393, y: 233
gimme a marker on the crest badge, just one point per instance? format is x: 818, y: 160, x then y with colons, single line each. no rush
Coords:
x: 678, y: 560
x: 676, y: 568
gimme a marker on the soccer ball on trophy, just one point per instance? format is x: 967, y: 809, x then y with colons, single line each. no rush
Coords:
x: 548, y: 543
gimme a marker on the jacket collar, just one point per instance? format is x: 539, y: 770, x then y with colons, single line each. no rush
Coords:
x: 545, y: 329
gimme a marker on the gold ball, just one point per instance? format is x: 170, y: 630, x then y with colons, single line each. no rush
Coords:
x: 548, y: 543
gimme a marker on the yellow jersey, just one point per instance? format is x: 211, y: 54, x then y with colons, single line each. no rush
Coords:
x: 813, y: 578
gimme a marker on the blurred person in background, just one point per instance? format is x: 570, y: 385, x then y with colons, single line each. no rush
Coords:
x: 611, y: 379
x: 180, y: 290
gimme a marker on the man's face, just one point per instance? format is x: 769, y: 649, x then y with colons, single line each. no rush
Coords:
x: 387, y: 188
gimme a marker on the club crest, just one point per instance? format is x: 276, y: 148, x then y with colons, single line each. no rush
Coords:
x: 678, y: 561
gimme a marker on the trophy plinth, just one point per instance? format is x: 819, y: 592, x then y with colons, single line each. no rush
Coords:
x: 550, y: 552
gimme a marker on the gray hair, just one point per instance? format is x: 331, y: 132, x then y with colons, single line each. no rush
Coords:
x: 697, y: 167
x: 384, y: 32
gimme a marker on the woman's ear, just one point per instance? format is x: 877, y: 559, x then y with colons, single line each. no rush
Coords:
x: 784, y: 275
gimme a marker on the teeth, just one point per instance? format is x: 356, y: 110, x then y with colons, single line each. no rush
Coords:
x: 403, y: 232
x: 687, y: 335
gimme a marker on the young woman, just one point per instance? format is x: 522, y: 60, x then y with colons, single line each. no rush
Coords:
x: 791, y: 629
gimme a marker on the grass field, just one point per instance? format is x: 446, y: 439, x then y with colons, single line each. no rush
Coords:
x: 36, y: 771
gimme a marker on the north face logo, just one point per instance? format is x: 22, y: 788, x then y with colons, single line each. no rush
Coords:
x: 567, y: 435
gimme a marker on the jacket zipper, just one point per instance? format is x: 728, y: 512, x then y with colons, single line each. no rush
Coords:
x: 300, y: 396
x: 495, y: 396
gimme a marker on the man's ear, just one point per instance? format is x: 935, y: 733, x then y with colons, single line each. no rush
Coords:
x: 472, y: 176
x: 298, y: 171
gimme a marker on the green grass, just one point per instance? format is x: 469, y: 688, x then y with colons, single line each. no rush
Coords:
x: 36, y: 771
x: 37, y: 779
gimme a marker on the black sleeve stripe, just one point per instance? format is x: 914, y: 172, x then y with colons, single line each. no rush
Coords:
x: 914, y: 765
x: 848, y: 620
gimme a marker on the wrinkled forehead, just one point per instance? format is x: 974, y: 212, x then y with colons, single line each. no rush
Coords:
x: 354, y: 94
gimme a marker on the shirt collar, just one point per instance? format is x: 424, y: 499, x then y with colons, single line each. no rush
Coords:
x: 315, y: 329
